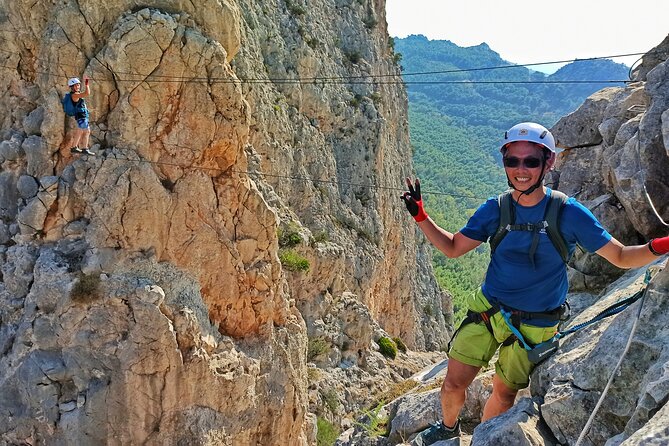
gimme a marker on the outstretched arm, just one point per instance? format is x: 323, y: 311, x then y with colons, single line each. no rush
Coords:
x: 452, y: 245
x: 634, y: 256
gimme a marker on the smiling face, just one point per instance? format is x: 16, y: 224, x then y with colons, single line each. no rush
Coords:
x: 75, y: 88
x: 521, y: 176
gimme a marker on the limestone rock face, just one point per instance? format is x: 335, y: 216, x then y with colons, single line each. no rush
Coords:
x: 617, y: 163
x: 243, y: 204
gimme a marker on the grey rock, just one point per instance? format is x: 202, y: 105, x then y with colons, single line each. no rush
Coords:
x: 4, y: 233
x: 38, y: 156
x: 33, y: 121
x: 654, y: 433
x: 27, y: 186
x: 11, y: 150
x: 17, y: 271
x: 521, y: 425
x: 414, y: 413
x: 9, y: 195
x: 572, y: 380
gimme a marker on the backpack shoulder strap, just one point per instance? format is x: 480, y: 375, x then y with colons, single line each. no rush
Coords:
x: 552, y: 218
x: 507, y: 217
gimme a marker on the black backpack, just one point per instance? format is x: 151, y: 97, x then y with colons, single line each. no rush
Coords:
x: 507, y: 220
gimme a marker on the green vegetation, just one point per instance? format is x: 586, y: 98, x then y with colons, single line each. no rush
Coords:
x: 330, y: 400
x: 456, y: 128
x: 353, y: 56
x: 327, y: 433
x: 294, y: 9
x: 397, y: 390
x: 289, y: 236
x: 292, y: 261
x: 320, y: 237
x: 86, y: 288
x: 375, y: 426
x: 387, y: 347
x: 316, y: 347
x: 400, y: 345
x: 314, y: 374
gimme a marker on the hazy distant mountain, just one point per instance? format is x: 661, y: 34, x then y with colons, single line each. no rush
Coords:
x: 493, y: 100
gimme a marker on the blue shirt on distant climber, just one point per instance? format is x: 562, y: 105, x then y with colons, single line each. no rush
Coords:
x: 80, y: 134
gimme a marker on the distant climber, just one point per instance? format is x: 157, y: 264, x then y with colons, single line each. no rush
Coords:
x: 521, y: 300
x: 74, y: 105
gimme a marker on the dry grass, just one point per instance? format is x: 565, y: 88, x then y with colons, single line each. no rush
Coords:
x: 86, y: 289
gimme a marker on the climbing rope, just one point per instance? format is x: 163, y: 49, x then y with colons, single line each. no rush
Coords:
x: 620, y: 361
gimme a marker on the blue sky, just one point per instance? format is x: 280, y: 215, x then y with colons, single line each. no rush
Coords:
x: 529, y: 31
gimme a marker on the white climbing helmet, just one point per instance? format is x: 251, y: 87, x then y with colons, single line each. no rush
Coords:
x: 73, y: 81
x: 532, y: 132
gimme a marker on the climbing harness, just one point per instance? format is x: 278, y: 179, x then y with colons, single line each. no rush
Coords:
x: 620, y: 361
x: 562, y: 313
x: 550, y: 224
x: 537, y: 353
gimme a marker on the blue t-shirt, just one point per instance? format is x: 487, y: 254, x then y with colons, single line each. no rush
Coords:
x: 511, y: 279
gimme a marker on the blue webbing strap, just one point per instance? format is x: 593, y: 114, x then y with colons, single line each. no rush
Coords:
x: 610, y: 311
x: 514, y: 330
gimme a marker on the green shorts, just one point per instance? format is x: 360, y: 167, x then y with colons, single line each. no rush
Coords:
x: 474, y: 345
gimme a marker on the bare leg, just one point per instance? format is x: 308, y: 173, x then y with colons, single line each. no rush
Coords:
x: 76, y: 137
x: 500, y: 401
x: 85, y: 133
x: 454, y: 389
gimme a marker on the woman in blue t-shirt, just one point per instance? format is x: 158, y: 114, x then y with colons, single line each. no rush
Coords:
x: 82, y: 131
x: 532, y: 285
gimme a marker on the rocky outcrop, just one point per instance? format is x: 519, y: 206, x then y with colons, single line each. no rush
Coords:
x: 242, y: 172
x: 616, y: 163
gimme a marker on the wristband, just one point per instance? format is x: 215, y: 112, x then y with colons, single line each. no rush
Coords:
x: 421, y: 215
x: 661, y: 246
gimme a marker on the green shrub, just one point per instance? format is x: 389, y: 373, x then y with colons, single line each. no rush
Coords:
x: 387, y: 347
x: 289, y: 236
x: 292, y: 261
x: 86, y: 289
x: 370, y: 22
x: 375, y: 426
x: 320, y: 237
x: 327, y: 433
x: 354, y: 57
x: 316, y: 347
x: 330, y: 400
x: 313, y: 374
x: 295, y: 9
x: 400, y: 345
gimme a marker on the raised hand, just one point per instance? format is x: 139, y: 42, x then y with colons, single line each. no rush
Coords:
x: 413, y: 200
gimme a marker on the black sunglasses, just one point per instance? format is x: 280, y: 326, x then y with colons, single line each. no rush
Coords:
x: 530, y: 162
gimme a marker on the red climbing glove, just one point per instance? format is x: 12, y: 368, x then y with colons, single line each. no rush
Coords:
x: 414, y: 202
x: 86, y: 81
x: 659, y: 246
